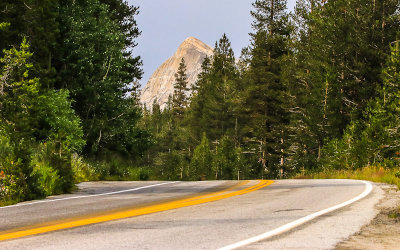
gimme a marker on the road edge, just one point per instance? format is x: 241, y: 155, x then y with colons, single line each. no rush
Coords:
x: 289, y: 226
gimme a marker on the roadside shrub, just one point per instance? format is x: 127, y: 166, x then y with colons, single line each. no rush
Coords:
x: 9, y: 191
x: 51, y: 160
x: 17, y: 182
x: 397, y: 173
x: 141, y: 173
x: 144, y: 174
x: 82, y: 170
x: 48, y: 179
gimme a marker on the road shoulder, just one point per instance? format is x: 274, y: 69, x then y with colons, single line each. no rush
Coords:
x: 383, y: 232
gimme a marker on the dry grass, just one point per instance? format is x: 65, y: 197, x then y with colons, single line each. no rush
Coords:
x: 375, y: 174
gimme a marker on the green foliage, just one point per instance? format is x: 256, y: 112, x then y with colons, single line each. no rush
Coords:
x: 374, y: 140
x: 98, y: 73
x: 42, y: 131
x: 52, y: 159
x: 179, y: 99
x: 269, y: 15
x: 82, y: 50
x: 48, y: 179
x: 224, y: 160
x: 264, y: 100
x: 18, y: 99
x: 172, y: 165
x: 58, y: 120
x: 82, y: 170
x: 211, y: 108
x: 114, y: 170
x: 9, y: 168
x: 201, y: 163
x: 18, y: 93
x: 38, y: 21
x: 4, y: 26
x: 229, y: 162
x: 340, y: 49
x: 307, y: 94
x: 311, y: 92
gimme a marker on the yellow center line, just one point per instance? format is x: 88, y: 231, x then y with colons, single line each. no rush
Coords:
x: 138, y: 211
x: 215, y: 193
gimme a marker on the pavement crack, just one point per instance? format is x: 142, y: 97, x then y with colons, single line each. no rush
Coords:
x: 288, y: 210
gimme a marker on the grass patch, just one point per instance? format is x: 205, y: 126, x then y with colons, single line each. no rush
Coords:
x: 393, y: 215
x: 372, y: 173
x: 8, y: 203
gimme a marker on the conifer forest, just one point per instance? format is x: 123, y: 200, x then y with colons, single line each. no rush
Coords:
x: 316, y: 89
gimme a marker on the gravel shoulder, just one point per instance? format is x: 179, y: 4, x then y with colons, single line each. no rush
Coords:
x: 384, y: 230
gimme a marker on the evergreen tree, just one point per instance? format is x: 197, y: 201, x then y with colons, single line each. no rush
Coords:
x: 180, y: 100
x: 265, y: 99
x: 270, y: 16
x: 195, y: 115
x: 374, y: 139
x: 335, y: 72
x: 211, y: 107
x: 202, y: 77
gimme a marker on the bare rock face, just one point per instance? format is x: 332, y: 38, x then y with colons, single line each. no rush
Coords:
x: 161, y: 83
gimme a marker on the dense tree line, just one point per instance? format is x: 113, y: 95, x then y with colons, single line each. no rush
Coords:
x: 315, y: 89
x: 68, y: 84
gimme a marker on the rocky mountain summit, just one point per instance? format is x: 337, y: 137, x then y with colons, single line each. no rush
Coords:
x: 161, y: 83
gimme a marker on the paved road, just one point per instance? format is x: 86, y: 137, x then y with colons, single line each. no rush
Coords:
x: 206, y: 215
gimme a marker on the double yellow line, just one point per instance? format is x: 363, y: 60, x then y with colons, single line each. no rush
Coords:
x: 136, y: 212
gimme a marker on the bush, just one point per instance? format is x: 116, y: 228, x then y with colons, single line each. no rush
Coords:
x: 53, y: 167
x: 82, y: 170
x: 144, y: 174
x: 48, y: 179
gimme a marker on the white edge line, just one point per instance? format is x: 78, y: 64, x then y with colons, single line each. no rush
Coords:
x: 296, y: 223
x: 88, y: 196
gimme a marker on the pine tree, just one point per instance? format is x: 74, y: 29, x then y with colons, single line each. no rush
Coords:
x: 211, y: 106
x: 265, y: 99
x: 180, y: 99
x: 336, y: 72
x: 194, y: 114
x: 375, y: 138
x: 270, y: 16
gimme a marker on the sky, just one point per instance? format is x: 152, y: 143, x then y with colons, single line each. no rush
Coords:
x: 165, y: 24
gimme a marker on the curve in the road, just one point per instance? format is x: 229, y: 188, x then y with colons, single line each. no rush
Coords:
x: 230, y: 192
x: 296, y: 223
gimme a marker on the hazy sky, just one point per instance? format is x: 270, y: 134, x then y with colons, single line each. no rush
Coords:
x: 166, y: 23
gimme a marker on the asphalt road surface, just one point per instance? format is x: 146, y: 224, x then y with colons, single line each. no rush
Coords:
x: 284, y: 214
